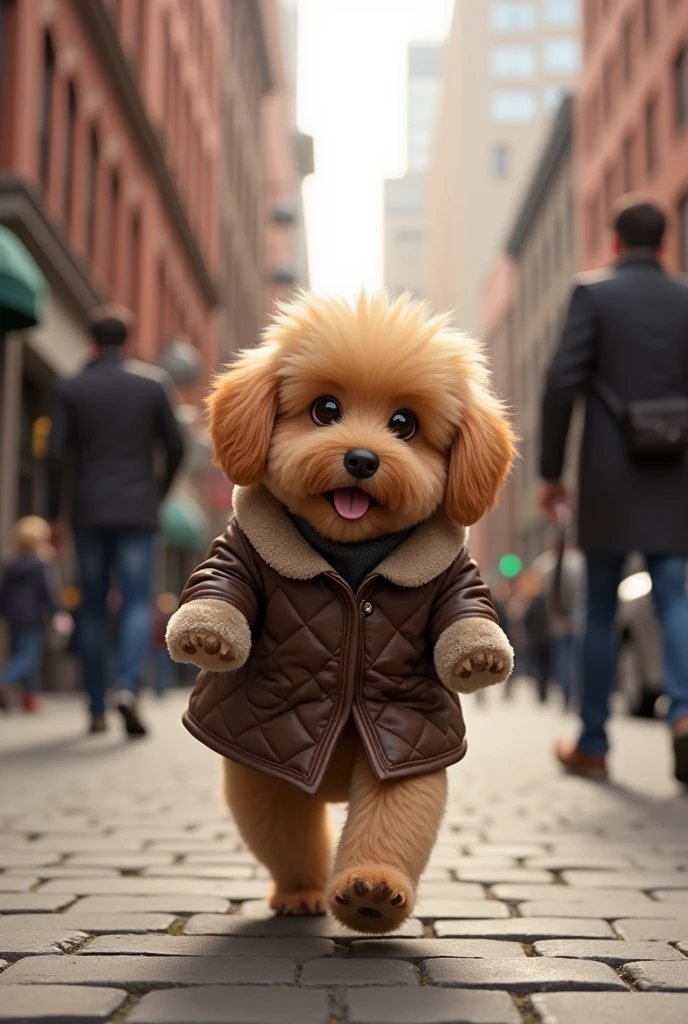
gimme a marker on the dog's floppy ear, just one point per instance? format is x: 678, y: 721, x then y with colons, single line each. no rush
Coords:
x: 480, y: 458
x: 242, y: 408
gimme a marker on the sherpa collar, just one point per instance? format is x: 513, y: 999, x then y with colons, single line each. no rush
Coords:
x: 424, y: 555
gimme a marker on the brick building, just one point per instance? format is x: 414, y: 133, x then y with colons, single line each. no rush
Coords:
x: 633, y: 117
x: 109, y: 162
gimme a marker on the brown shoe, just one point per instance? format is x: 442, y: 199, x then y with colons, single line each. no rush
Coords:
x: 680, y: 738
x: 593, y: 766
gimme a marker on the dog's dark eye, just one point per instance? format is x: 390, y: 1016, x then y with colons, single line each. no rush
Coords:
x: 325, y: 411
x: 404, y: 424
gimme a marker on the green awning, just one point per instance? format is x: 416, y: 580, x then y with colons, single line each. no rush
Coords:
x: 184, y: 526
x: 22, y: 286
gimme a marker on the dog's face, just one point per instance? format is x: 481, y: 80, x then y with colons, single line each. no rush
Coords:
x: 363, y: 420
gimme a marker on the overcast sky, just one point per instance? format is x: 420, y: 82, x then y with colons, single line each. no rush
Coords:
x: 352, y: 99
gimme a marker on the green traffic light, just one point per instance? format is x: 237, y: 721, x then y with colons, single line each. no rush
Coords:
x: 510, y: 566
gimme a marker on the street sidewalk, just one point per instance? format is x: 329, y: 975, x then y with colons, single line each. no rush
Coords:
x: 126, y: 894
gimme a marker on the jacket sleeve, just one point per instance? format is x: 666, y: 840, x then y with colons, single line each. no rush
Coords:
x: 568, y: 375
x: 464, y: 627
x: 59, y: 447
x: 220, y: 602
x: 170, y: 435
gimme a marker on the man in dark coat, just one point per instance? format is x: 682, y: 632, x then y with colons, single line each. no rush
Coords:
x: 628, y: 328
x: 115, y: 424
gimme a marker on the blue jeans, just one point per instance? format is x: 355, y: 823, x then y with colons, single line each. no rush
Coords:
x: 668, y: 574
x: 163, y: 667
x: 130, y: 553
x: 25, y: 661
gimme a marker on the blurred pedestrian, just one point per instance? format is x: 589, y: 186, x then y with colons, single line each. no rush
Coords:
x: 563, y: 570
x: 624, y: 349
x: 114, y: 421
x: 29, y: 599
x: 166, y: 605
x: 538, y: 634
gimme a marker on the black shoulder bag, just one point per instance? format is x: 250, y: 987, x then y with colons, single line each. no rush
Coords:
x: 656, y: 429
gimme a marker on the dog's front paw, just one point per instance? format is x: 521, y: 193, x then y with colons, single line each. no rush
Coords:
x: 478, y: 670
x: 210, y: 634
x: 210, y: 644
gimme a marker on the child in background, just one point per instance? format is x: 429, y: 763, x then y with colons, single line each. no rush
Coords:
x: 165, y: 606
x: 28, y: 598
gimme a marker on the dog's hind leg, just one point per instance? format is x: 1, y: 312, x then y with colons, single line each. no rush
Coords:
x: 385, y: 845
x: 287, y: 831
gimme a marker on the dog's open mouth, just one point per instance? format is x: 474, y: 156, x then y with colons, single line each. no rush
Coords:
x: 350, y: 502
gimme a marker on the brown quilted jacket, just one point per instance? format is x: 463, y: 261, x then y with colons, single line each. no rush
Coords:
x: 320, y: 653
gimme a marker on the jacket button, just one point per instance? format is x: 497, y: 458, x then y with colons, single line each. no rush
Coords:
x: 367, y: 607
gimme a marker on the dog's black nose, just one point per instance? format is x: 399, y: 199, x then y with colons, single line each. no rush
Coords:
x: 361, y: 463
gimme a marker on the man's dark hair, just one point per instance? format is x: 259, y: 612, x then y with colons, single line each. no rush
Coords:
x: 639, y: 222
x: 110, y: 326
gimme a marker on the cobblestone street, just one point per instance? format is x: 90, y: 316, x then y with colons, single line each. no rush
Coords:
x: 126, y: 895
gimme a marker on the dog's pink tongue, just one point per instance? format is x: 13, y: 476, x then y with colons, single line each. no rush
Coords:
x: 351, y: 503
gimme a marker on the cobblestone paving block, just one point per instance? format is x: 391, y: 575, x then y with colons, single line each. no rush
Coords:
x: 487, y: 875
x: 683, y: 946
x: 258, y: 910
x: 406, y: 949
x: 644, y: 880
x: 451, y: 891
x: 527, y: 929
x: 171, y: 903
x: 17, y: 883
x: 119, y: 861
x: 150, y: 970
x: 340, y: 973
x: 671, y: 895
x: 65, y: 871
x: 564, y: 894
x: 94, y: 923
x: 657, y: 930
x: 607, y: 951
x: 84, y: 844
x: 25, y: 859
x: 226, y: 1005
x: 134, y: 886
x: 209, y: 945
x: 276, y: 927
x: 33, y: 902
x: 659, y: 977
x: 530, y: 974
x: 518, y: 850
x: 591, y: 862
x: 432, y: 910
x: 430, y: 1006
x: 58, y: 1004
x: 14, y: 945
x: 235, y: 872
x: 609, y: 1008
x: 609, y: 909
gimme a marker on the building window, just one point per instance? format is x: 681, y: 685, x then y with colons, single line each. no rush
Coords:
x: 513, y: 62
x: 651, y: 155
x: 627, y: 49
x: 629, y: 163
x: 134, y: 263
x: 553, y: 98
x: 560, y: 13
x: 562, y: 56
x: 515, y: 106
x: 45, y: 122
x: 500, y: 161
x: 649, y: 21
x: 681, y: 87
x: 91, y: 190
x: 114, y: 223
x: 683, y: 231
x: 70, y: 141
x: 513, y: 17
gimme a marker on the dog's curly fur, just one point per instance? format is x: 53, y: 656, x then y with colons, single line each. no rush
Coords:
x: 374, y: 358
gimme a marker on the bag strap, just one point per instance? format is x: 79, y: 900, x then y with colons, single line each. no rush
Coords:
x: 557, y: 587
x: 609, y: 398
